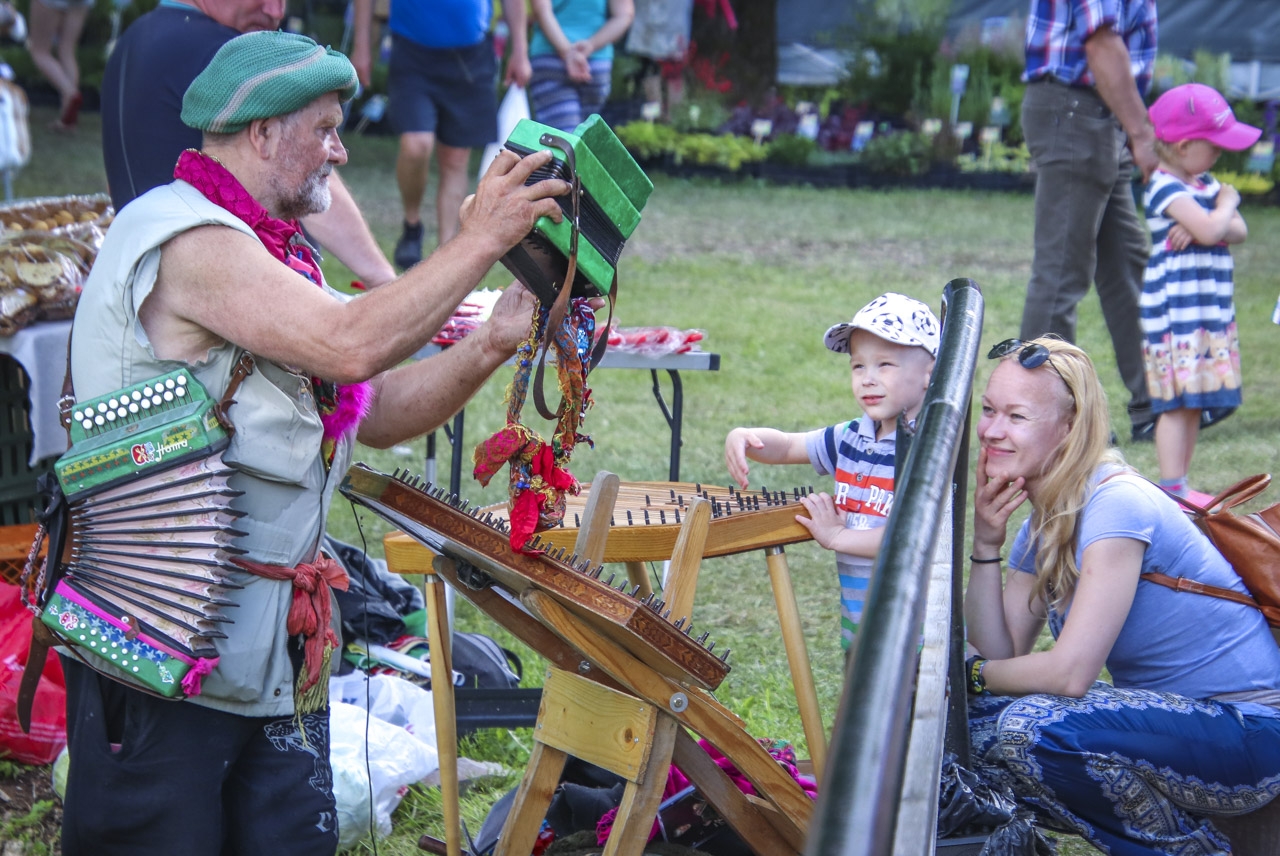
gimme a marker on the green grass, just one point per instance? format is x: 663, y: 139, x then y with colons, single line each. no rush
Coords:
x: 764, y: 271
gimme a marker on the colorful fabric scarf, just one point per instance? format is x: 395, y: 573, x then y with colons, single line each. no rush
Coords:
x: 341, y: 407
x: 539, y: 471
x: 782, y: 751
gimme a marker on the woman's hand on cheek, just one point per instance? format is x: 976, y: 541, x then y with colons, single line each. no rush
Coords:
x: 994, y: 500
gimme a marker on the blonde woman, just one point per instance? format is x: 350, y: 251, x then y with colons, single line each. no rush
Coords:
x: 1190, y: 727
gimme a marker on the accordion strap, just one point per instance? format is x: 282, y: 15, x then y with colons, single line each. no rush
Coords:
x: 556, y: 315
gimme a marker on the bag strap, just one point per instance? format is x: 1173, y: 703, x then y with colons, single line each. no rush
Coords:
x: 1184, y: 584
x: 42, y: 639
x: 244, y: 368
x: 1270, y: 613
x: 555, y: 315
x: 1239, y: 493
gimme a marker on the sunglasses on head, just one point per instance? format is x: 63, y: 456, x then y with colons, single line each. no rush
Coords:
x: 1032, y: 356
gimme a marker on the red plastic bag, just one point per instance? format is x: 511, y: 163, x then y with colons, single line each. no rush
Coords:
x: 49, y: 712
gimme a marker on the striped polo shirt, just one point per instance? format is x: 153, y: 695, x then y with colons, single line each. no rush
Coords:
x: 863, y: 492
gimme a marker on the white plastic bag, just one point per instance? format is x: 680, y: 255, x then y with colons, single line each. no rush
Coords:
x: 514, y: 107
x: 394, y: 759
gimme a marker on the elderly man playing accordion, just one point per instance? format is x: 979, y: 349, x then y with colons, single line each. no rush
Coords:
x: 195, y: 274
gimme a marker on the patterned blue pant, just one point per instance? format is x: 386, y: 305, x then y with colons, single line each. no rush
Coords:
x: 1135, y: 772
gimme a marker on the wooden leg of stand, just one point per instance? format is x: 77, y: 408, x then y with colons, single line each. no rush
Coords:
x: 611, y: 729
x: 639, y: 577
x: 701, y: 713
x: 443, y: 701
x: 686, y: 559
x: 640, y: 801
x: 541, y: 778
x: 593, y: 532
x: 755, y: 824
x: 797, y: 657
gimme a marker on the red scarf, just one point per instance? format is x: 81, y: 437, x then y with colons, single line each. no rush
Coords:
x: 341, y: 407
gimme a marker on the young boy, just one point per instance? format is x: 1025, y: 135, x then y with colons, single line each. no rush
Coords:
x: 891, y: 343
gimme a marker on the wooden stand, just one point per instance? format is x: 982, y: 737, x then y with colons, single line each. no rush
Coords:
x: 603, y: 703
x: 768, y: 530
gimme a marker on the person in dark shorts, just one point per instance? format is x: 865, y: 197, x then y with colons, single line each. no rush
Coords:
x: 442, y: 98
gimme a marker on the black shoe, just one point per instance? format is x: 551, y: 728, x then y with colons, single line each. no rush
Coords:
x: 409, y: 248
x: 1144, y: 432
x: 1214, y: 415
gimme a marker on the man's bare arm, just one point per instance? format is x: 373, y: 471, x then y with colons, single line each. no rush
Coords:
x: 219, y: 284
x: 1109, y: 63
x: 361, y: 36
x: 420, y: 397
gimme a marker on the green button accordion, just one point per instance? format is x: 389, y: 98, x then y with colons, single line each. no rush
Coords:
x: 142, y: 584
x: 613, y: 192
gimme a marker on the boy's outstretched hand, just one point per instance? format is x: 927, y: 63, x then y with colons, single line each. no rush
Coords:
x: 735, y: 453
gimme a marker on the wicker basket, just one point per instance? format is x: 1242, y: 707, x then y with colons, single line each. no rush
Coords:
x: 15, y: 543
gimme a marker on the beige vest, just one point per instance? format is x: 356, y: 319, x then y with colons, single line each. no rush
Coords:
x: 275, y: 448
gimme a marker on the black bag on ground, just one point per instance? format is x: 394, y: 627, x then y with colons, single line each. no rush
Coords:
x: 484, y: 664
x: 374, y: 605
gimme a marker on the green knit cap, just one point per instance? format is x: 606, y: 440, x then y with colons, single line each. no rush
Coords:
x: 264, y: 74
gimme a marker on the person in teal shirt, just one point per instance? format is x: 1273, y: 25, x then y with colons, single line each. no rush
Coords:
x: 571, y: 53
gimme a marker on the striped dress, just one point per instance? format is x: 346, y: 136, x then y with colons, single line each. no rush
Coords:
x: 1188, y: 313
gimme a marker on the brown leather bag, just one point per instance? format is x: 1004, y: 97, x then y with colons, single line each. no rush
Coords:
x: 1250, y: 542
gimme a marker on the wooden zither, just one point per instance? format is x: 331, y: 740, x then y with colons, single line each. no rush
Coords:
x: 647, y: 518
x: 142, y: 585
x: 479, y: 542
x: 645, y: 527
x: 627, y: 689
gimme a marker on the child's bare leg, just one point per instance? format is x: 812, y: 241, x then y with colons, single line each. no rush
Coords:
x: 1176, y: 432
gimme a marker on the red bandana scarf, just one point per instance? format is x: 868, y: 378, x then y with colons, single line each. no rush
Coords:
x: 341, y: 407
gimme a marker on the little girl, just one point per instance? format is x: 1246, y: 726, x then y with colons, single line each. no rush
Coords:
x: 1188, y: 314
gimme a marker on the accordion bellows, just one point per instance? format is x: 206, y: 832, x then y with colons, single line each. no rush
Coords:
x: 614, y: 192
x: 143, y: 584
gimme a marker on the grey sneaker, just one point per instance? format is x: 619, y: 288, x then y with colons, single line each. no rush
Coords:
x: 409, y: 248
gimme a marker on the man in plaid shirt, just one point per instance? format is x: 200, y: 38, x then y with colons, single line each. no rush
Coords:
x: 1088, y: 63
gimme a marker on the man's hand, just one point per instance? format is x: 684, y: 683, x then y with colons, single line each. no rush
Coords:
x: 1144, y: 155
x: 503, y: 209
x: 510, y: 321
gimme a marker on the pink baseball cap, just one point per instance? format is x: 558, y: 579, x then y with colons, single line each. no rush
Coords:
x: 1194, y: 111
